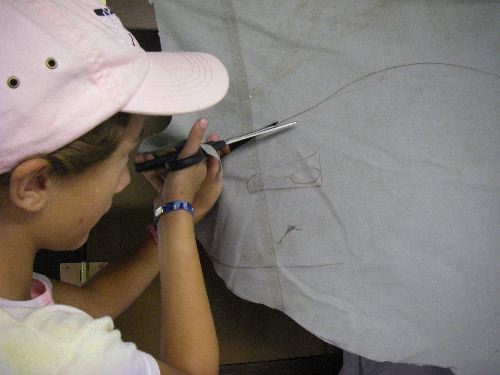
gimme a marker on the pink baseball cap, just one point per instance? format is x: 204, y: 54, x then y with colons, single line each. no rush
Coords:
x: 68, y: 65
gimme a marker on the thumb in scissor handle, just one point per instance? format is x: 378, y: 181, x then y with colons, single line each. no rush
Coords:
x: 202, y: 153
x: 170, y: 162
x: 187, y: 162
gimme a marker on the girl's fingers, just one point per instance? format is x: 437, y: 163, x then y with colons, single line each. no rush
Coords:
x: 194, y: 139
x: 213, y: 167
x: 154, y: 177
x: 215, y: 137
x: 140, y: 158
x: 213, y: 164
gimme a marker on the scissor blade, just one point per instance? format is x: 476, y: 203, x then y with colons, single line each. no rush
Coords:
x: 265, y: 130
x: 166, y: 155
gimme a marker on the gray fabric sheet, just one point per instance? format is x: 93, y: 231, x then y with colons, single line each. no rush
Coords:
x: 375, y: 223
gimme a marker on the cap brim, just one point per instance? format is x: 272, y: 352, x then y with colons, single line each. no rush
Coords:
x: 179, y: 82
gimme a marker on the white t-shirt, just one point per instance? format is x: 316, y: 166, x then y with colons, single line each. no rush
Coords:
x: 39, y: 337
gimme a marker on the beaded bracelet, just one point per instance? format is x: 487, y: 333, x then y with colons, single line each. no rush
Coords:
x: 172, y: 206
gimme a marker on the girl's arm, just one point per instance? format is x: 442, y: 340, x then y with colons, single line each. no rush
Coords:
x: 188, y: 337
x: 115, y: 288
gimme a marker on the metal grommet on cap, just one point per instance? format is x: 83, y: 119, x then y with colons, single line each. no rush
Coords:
x: 51, y: 63
x: 13, y: 82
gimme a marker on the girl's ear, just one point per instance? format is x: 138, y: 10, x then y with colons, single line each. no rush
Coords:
x: 29, y: 183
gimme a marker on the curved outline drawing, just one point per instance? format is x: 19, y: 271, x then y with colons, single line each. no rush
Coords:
x: 385, y: 70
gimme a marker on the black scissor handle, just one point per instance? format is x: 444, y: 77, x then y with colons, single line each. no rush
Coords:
x: 187, y: 162
x: 170, y: 161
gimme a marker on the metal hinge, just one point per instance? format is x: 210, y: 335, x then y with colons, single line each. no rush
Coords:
x: 79, y: 273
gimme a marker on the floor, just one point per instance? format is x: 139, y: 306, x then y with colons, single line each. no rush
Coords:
x: 317, y: 365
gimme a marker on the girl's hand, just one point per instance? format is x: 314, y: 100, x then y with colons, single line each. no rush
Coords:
x: 211, y: 187
x: 185, y: 183
x: 199, y: 184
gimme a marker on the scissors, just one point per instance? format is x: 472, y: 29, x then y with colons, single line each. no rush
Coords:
x: 168, y: 160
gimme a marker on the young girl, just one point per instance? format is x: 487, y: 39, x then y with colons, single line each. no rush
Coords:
x: 71, y: 74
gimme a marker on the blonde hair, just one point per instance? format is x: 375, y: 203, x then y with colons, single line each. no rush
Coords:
x: 86, y: 151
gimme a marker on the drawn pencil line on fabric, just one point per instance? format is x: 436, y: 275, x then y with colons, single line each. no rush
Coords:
x: 289, y: 229
x: 401, y: 66
x: 301, y: 173
x: 272, y: 266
